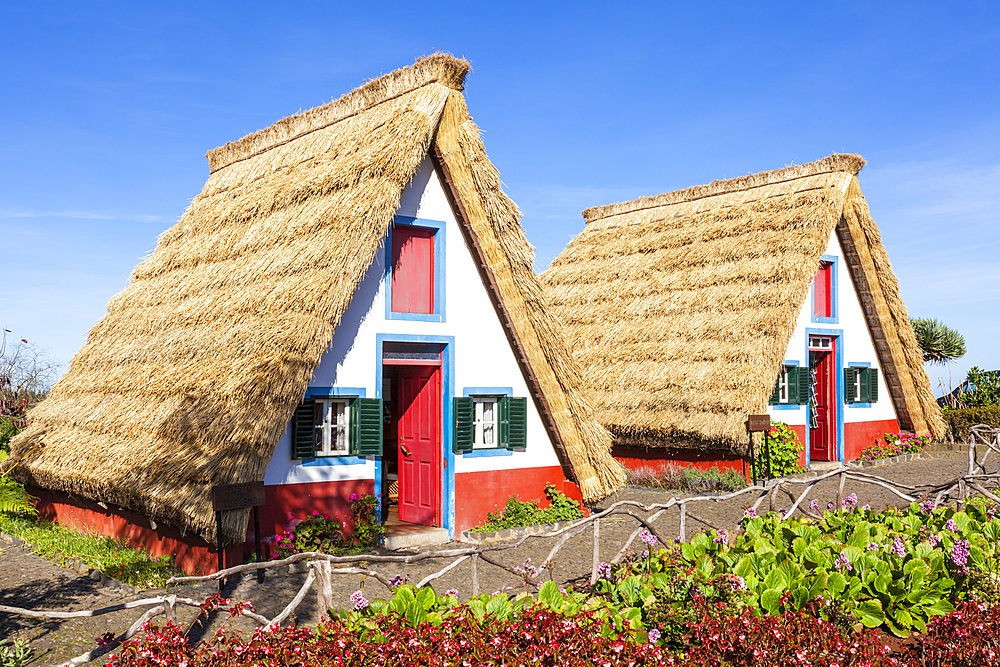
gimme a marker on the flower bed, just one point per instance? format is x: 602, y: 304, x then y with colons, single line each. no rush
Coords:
x: 789, y: 592
x: 318, y: 532
x: 894, y: 444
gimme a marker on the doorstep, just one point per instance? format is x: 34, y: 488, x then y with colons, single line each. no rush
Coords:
x: 408, y: 535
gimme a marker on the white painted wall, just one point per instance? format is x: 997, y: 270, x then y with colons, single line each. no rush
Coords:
x: 855, y: 341
x: 482, y: 355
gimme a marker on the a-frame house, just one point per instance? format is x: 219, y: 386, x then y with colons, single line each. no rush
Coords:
x: 348, y: 306
x: 691, y: 310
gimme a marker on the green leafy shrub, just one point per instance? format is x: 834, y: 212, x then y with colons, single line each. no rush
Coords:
x: 961, y: 419
x: 13, y: 498
x: 786, y: 449
x: 896, y: 569
x: 17, y: 654
x: 318, y: 532
x: 987, y: 390
x: 693, y: 480
x: 518, y: 513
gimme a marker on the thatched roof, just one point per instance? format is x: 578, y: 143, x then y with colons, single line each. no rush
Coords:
x: 680, y: 307
x: 194, y: 373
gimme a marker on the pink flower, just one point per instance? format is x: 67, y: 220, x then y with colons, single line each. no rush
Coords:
x: 354, y: 496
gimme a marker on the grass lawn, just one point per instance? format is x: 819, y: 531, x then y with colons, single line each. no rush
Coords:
x: 59, y: 544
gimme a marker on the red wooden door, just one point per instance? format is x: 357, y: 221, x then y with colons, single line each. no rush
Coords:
x: 419, y: 436
x: 823, y: 429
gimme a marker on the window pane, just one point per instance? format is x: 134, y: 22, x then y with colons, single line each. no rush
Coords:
x: 485, y: 423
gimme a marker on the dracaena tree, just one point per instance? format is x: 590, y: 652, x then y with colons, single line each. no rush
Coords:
x: 938, y: 343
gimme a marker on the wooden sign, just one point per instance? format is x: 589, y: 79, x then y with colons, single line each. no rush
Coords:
x: 237, y: 496
x: 759, y: 423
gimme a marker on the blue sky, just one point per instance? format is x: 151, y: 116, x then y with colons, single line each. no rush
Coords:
x: 107, y: 109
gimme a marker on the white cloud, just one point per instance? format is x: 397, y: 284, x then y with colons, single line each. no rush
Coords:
x: 15, y: 214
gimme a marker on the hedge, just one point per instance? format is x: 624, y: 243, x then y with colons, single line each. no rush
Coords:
x: 960, y: 420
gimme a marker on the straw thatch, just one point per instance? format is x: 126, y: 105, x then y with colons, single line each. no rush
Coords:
x: 193, y: 375
x: 680, y: 307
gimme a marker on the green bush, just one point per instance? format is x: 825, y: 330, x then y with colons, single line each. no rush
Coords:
x: 896, y: 569
x: 13, y: 497
x: 518, y: 513
x: 785, y: 451
x: 961, y: 419
x: 8, y: 429
x: 987, y: 391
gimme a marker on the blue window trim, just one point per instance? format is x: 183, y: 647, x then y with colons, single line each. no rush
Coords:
x: 447, y: 393
x: 468, y: 392
x: 439, y: 261
x: 858, y: 364
x: 838, y: 374
x: 486, y: 453
x: 834, y: 309
x: 334, y: 392
x: 322, y: 461
x: 487, y: 391
x: 787, y: 406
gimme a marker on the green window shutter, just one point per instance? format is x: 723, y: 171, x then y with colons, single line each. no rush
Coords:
x: 849, y: 385
x: 463, y: 412
x: 504, y: 420
x: 775, y: 395
x: 366, y: 416
x: 803, y: 384
x: 517, y: 423
x: 304, y: 430
x: 873, y: 385
x: 864, y: 388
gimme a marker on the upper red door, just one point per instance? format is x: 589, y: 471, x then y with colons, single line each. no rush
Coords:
x: 823, y: 291
x: 823, y: 429
x: 412, y: 269
x: 419, y: 435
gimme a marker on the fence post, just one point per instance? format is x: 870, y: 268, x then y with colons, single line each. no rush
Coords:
x: 170, y: 609
x: 682, y: 537
x: 597, y: 551
x: 840, y: 492
x: 475, y: 574
x: 324, y: 588
x: 972, y: 454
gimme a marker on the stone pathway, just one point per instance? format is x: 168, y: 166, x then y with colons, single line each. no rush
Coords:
x: 30, y: 581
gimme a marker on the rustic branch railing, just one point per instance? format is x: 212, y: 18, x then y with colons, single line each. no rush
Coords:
x: 320, y: 571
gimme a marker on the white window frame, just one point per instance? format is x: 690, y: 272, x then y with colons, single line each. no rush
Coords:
x: 783, y: 393
x: 480, y: 424
x: 856, y: 371
x: 330, y: 435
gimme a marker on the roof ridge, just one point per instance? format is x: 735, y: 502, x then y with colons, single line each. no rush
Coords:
x: 847, y: 162
x: 441, y: 68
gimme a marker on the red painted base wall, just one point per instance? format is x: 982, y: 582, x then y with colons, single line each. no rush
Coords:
x: 288, y: 502
x: 191, y: 554
x: 858, y: 435
x: 635, y: 458
x: 477, y: 493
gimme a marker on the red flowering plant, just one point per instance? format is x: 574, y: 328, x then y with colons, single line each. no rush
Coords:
x: 895, y: 444
x: 320, y: 532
